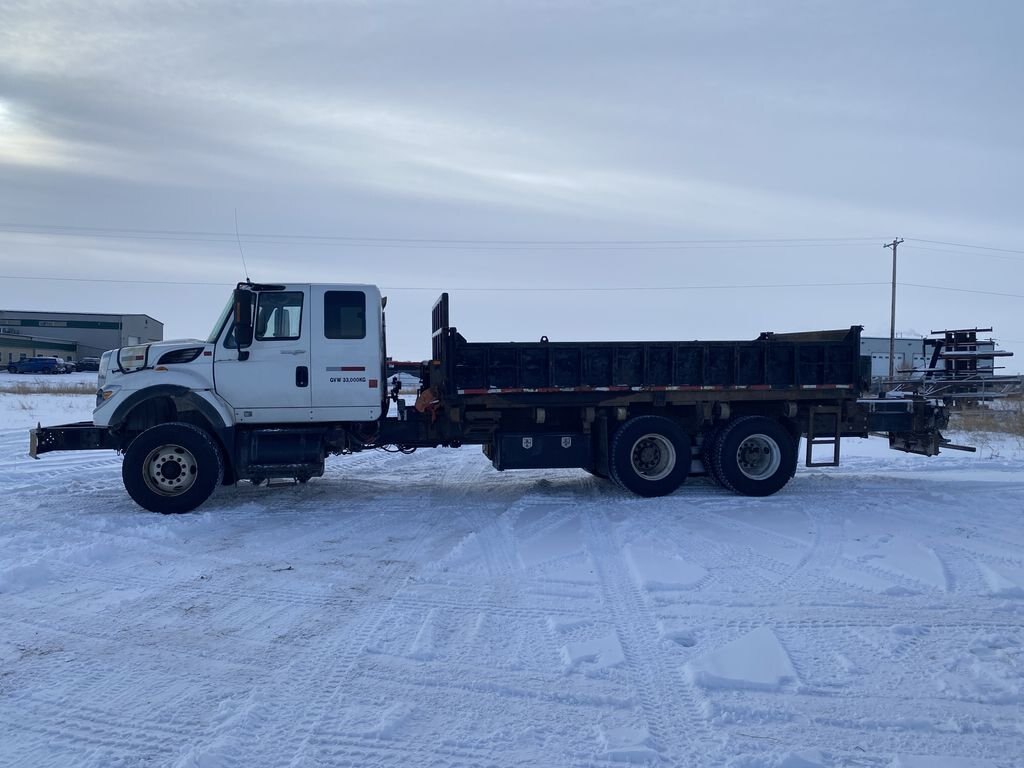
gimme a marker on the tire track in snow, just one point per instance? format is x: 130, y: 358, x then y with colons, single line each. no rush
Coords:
x: 723, y: 560
x: 868, y: 730
x: 317, y: 681
x: 22, y: 478
x: 660, y: 689
x: 490, y: 606
x: 824, y: 554
x: 541, y: 687
x: 74, y: 724
x: 340, y: 655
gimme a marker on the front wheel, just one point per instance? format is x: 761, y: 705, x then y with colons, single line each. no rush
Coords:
x: 650, y: 456
x: 172, y: 468
x: 755, y: 456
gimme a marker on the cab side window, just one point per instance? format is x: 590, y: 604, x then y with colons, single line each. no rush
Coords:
x: 279, y: 316
x: 229, y: 338
x: 345, y: 315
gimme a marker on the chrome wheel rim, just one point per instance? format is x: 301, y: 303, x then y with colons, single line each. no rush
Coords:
x: 758, y: 457
x: 653, y: 457
x: 170, y: 470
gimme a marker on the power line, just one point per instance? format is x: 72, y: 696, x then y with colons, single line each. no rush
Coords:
x: 966, y: 245
x: 504, y: 289
x: 623, y: 289
x: 523, y: 289
x: 974, y: 255
x: 472, y: 246
x: 66, y: 230
x: 69, y: 230
x: 964, y: 290
x: 109, y: 280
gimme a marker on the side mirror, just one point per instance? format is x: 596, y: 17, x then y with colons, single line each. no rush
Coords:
x: 243, y: 319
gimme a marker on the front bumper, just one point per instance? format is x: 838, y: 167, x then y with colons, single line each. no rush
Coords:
x: 83, y: 436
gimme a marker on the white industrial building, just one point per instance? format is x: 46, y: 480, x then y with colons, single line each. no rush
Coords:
x: 913, y: 359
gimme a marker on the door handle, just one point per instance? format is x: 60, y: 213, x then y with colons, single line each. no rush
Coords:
x: 301, y: 376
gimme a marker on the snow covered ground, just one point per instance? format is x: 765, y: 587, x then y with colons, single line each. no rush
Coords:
x: 425, y: 610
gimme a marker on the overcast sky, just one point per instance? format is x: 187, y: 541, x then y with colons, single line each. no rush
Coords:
x: 360, y: 142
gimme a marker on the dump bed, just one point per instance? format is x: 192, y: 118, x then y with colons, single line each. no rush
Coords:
x: 813, y: 360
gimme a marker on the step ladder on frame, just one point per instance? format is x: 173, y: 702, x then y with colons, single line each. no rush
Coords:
x: 830, y: 414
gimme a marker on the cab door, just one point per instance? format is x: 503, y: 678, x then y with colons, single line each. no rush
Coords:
x: 346, y: 366
x: 271, y: 384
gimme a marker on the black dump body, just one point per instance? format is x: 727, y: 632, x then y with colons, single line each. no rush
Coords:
x: 813, y: 381
x: 800, y: 361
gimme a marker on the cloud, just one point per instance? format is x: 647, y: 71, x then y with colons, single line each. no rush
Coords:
x: 531, y: 120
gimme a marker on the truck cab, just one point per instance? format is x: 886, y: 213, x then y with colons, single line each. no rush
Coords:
x: 278, y: 354
x: 306, y: 353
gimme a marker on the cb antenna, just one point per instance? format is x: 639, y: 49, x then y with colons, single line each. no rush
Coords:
x: 238, y: 240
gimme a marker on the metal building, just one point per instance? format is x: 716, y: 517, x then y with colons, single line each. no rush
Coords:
x: 951, y: 364
x: 71, y: 335
x: 909, y: 356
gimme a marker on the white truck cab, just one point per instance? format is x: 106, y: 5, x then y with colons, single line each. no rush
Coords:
x: 289, y: 353
x: 316, y: 354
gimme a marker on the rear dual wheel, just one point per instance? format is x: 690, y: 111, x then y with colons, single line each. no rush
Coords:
x: 650, y: 456
x: 708, y: 454
x: 752, y: 455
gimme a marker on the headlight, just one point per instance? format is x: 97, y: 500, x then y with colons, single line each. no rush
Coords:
x: 132, y: 358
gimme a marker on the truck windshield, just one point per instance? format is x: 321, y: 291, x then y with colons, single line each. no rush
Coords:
x: 220, y: 320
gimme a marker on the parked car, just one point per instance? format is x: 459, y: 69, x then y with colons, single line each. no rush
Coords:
x: 37, y: 365
x: 70, y: 366
x: 89, y: 364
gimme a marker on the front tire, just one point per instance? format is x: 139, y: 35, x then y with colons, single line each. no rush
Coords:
x: 650, y: 456
x: 172, y: 468
x: 755, y: 456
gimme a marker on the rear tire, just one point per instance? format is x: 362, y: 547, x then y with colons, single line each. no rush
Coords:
x: 755, y: 456
x: 172, y: 468
x: 709, y: 455
x: 650, y: 456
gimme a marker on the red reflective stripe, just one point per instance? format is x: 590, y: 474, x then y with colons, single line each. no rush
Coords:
x: 653, y: 388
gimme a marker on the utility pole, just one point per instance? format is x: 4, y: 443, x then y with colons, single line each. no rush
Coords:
x: 892, y: 321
